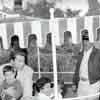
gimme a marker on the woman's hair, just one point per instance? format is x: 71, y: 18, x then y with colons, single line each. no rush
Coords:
x: 21, y: 52
x: 40, y: 83
x: 9, y: 68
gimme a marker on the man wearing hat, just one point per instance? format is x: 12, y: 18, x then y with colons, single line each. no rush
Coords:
x: 86, y: 79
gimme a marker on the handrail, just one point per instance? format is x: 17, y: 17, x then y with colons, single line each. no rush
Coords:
x: 82, y: 97
x: 52, y: 72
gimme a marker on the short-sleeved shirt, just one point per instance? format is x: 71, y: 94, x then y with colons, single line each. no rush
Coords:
x: 41, y: 96
x: 25, y: 78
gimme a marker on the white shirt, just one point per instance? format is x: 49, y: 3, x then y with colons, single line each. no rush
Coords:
x: 42, y: 96
x: 84, y: 64
x: 25, y: 77
x: 39, y: 96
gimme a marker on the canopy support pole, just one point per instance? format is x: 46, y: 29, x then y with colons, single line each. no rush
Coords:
x: 52, y: 22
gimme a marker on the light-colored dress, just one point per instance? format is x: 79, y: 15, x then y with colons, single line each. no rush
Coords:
x: 42, y: 96
x: 25, y: 78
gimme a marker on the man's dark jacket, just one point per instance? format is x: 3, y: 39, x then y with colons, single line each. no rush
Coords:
x: 93, y: 67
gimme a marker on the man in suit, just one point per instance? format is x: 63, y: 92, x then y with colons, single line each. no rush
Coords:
x: 86, y: 79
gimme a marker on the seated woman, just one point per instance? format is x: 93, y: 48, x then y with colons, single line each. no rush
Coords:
x: 41, y: 89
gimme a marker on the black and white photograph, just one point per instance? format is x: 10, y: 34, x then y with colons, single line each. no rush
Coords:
x: 49, y: 49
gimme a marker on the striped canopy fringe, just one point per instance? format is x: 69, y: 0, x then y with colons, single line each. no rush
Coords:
x: 41, y: 27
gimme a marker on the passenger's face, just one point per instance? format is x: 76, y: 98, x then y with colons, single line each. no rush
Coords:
x: 46, y: 89
x: 87, y: 45
x: 19, y: 61
x: 9, y: 76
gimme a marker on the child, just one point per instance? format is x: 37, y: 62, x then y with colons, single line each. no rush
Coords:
x: 10, y: 89
x: 41, y: 89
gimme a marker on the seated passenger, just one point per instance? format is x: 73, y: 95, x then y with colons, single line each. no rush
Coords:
x: 41, y: 89
x: 11, y: 88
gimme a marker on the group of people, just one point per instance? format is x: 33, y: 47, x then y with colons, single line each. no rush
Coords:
x: 16, y: 81
x: 17, y: 69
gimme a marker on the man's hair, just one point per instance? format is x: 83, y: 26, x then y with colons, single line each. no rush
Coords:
x: 21, y: 52
x: 9, y: 68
